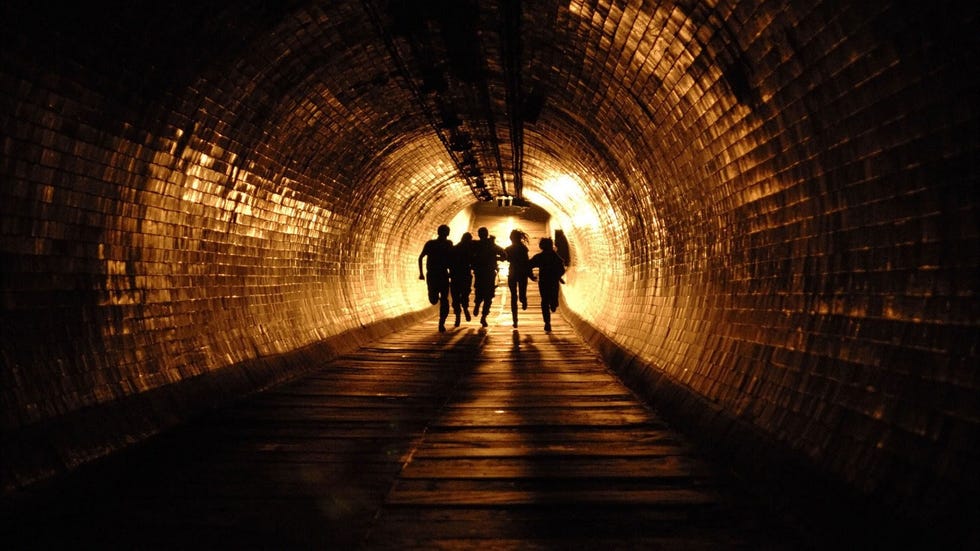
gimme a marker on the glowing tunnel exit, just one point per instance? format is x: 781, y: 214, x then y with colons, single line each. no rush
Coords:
x: 583, y: 211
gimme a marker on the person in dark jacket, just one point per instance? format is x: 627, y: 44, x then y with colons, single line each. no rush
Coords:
x: 550, y: 269
x: 517, y: 273
x: 438, y: 252
x: 486, y: 254
x: 461, y: 276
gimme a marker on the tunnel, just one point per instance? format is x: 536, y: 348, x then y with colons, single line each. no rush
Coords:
x: 769, y: 209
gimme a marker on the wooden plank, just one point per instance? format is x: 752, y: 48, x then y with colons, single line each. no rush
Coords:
x: 558, y: 417
x: 525, y: 542
x: 557, y: 466
x: 528, y: 447
x: 554, y: 526
x: 607, y: 436
x: 332, y: 414
x: 663, y: 497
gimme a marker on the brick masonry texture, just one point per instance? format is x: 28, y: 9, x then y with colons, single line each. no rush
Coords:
x: 770, y: 203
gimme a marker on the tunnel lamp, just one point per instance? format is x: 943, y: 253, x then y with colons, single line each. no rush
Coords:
x: 504, y: 200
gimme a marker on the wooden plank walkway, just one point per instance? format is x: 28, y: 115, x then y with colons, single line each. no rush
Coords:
x: 476, y: 438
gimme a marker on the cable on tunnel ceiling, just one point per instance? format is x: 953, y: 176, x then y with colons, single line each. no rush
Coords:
x: 451, y: 83
x: 511, y: 47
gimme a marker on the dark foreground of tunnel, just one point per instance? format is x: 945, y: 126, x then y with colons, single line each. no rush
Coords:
x: 770, y: 205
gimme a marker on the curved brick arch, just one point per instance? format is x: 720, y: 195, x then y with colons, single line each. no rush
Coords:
x: 776, y: 200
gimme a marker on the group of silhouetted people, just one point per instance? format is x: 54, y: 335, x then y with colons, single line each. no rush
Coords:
x: 452, y: 270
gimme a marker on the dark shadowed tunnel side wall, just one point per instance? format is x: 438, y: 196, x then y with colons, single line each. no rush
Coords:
x: 186, y: 219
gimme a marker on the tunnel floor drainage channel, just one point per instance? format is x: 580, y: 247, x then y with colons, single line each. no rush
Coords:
x: 493, y: 438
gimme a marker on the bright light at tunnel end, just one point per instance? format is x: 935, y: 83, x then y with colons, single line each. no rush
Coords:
x: 564, y: 196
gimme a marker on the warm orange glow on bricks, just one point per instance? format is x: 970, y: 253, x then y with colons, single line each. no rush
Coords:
x: 768, y: 205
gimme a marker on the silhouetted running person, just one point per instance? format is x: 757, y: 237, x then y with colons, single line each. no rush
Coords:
x: 485, y: 257
x: 439, y: 252
x: 518, y: 272
x: 550, y: 269
x: 461, y: 276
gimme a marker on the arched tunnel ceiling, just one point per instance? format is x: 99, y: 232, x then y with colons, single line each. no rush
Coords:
x: 631, y: 99
x: 535, y: 89
x: 385, y: 77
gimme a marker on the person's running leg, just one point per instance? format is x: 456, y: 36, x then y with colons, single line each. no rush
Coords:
x: 457, y: 303
x: 466, y: 283
x: 522, y: 292
x: 444, y: 312
x: 433, y: 289
x: 513, y: 285
x: 477, y: 294
x: 442, y: 295
x: 490, y: 288
x: 548, y: 299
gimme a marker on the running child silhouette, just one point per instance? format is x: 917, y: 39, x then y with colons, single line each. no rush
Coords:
x: 550, y: 268
x: 518, y: 271
x: 439, y: 256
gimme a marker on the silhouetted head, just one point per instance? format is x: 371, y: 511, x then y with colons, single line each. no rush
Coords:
x: 483, y: 233
x: 443, y: 231
x: 516, y: 236
x: 466, y: 237
x: 546, y: 244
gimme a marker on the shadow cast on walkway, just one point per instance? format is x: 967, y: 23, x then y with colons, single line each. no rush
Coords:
x: 495, y: 437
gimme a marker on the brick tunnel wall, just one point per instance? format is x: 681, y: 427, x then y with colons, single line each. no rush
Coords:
x: 799, y: 230
x: 783, y: 228
x: 167, y: 247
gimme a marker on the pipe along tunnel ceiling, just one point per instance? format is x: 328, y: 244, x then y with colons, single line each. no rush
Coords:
x: 770, y: 204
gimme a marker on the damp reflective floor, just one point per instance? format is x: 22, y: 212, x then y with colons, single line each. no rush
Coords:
x: 475, y: 438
